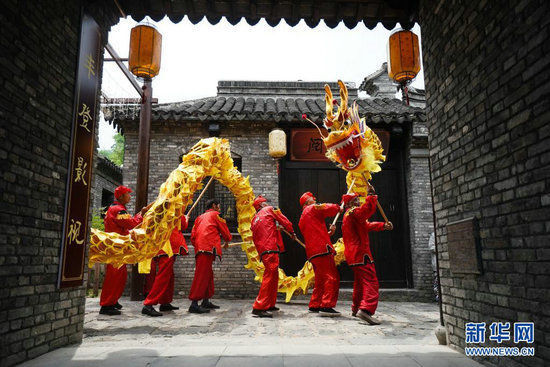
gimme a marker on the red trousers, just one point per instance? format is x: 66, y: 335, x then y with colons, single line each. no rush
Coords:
x: 162, y: 291
x: 267, y: 297
x: 113, y: 285
x: 327, y: 282
x: 365, y: 288
x: 203, y: 281
x: 150, y: 278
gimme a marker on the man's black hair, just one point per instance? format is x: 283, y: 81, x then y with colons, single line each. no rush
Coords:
x: 210, y: 203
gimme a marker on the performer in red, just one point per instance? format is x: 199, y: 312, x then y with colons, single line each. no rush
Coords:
x: 162, y: 290
x: 355, y: 230
x: 269, y: 244
x: 117, y: 220
x: 205, y: 237
x: 320, y: 253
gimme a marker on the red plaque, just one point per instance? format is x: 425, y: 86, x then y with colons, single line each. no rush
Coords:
x: 307, y: 146
x: 79, y: 175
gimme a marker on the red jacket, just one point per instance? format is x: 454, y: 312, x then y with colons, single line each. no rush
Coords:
x: 119, y: 221
x: 314, y: 229
x: 205, y: 234
x: 177, y: 240
x: 267, y: 238
x: 355, y: 231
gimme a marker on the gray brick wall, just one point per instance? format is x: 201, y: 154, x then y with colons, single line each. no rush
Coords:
x: 486, y: 70
x: 420, y: 210
x: 168, y: 141
x: 35, y: 111
x: 40, y: 51
x: 250, y: 141
x: 106, y: 177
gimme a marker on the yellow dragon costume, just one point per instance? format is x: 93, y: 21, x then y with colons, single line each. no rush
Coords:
x: 211, y: 157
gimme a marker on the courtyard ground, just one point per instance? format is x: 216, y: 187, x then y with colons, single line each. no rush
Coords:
x: 231, y: 336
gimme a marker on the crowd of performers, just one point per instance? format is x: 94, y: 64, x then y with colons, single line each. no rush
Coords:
x: 210, y: 228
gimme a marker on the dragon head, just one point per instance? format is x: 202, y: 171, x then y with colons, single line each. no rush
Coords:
x: 350, y: 142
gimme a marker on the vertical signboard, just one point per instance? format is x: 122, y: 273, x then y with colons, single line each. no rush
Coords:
x: 79, y: 174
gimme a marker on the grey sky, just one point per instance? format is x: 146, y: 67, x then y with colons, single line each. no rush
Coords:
x: 195, y: 57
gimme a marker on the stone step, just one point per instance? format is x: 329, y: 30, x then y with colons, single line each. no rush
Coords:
x: 386, y: 294
x: 393, y: 294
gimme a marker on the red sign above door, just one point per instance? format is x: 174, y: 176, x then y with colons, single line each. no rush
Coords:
x: 307, y: 146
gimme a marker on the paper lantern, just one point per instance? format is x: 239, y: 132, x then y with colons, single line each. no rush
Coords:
x: 277, y: 143
x: 403, y: 56
x: 145, y: 50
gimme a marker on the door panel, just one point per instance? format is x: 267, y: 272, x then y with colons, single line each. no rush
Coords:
x: 327, y: 183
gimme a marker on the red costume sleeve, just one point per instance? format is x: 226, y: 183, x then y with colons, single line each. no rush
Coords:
x: 222, y: 226
x: 366, y: 210
x: 126, y: 221
x: 194, y: 232
x: 280, y: 217
x: 327, y: 210
x: 374, y: 226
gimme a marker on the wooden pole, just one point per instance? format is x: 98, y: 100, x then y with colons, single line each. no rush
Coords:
x: 342, y: 204
x: 97, y: 270
x: 295, y: 239
x: 200, y: 196
x: 238, y: 243
x: 144, y: 139
x: 377, y: 203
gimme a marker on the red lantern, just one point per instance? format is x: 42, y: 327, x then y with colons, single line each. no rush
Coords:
x: 403, y: 58
x: 145, y: 49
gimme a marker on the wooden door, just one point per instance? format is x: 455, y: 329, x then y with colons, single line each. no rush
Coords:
x: 391, y: 250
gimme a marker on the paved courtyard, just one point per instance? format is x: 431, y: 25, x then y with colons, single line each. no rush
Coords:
x: 231, y: 336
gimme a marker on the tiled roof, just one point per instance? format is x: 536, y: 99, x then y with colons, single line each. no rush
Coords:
x: 251, y: 109
x: 351, y: 12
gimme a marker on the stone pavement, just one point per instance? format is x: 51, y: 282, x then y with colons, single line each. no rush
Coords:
x: 231, y: 336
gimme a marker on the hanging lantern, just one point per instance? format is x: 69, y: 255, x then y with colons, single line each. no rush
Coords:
x: 277, y: 143
x: 145, y: 50
x: 403, y: 56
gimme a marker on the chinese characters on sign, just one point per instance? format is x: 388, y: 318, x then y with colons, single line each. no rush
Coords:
x: 499, y: 332
x: 90, y: 65
x: 307, y: 146
x: 74, y: 233
x: 315, y: 145
x: 71, y: 265
x: 85, y: 113
x: 79, y: 171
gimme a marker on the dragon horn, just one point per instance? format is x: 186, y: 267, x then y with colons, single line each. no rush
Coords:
x: 343, y: 96
x: 328, y: 102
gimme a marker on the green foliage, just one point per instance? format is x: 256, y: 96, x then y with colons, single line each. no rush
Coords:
x: 97, y: 221
x: 116, y: 153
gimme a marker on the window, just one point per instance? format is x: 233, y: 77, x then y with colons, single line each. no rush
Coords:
x: 223, y: 195
x: 107, y: 198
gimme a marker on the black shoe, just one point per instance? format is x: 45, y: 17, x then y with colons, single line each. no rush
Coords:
x: 118, y: 306
x: 209, y: 306
x: 314, y: 309
x: 109, y: 310
x: 150, y: 311
x: 168, y: 307
x: 329, y: 312
x: 198, y: 309
x: 366, y: 316
x: 273, y: 309
x: 261, y: 313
